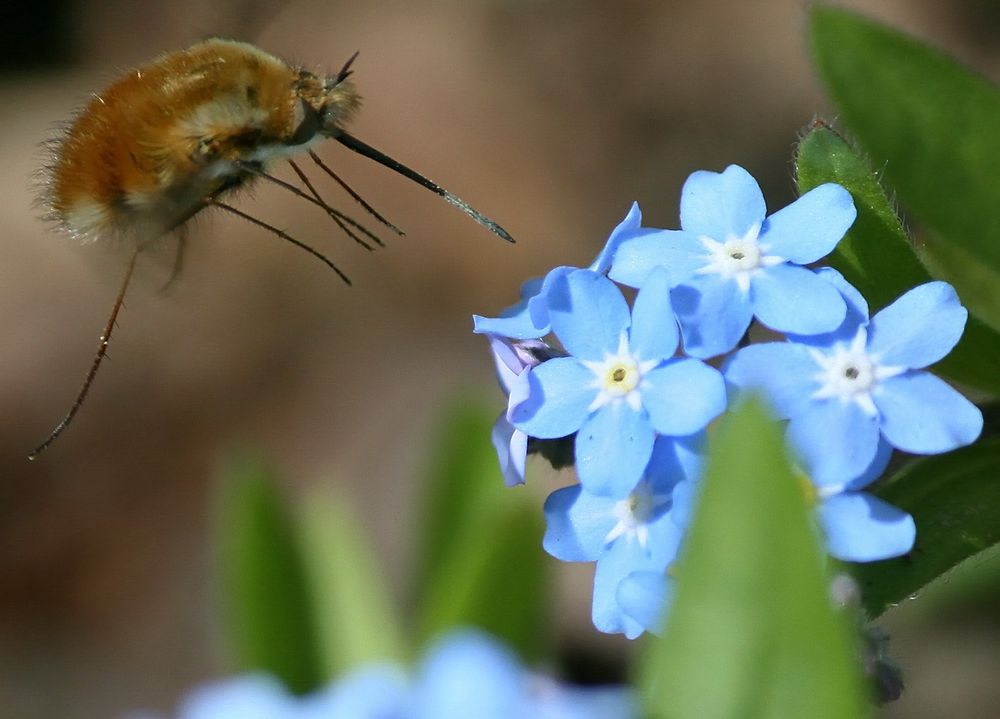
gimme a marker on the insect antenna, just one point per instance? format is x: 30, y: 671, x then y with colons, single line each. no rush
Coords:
x: 346, y: 71
x: 355, y: 195
x: 371, y: 153
x: 254, y: 169
x: 179, y: 253
x: 280, y: 233
x: 337, y: 221
x: 102, y: 351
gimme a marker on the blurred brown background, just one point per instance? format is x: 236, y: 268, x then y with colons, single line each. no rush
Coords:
x: 550, y: 117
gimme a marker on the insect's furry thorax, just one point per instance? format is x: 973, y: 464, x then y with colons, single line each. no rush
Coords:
x: 146, y: 152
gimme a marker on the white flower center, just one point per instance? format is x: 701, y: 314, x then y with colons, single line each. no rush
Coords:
x: 738, y: 258
x: 849, y: 373
x: 619, y: 376
x: 635, y: 513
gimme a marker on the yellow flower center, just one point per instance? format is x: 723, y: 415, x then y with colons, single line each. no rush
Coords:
x: 621, y: 378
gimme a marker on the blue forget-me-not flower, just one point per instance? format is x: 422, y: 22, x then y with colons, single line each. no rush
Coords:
x: 623, y: 535
x: 730, y: 262
x: 621, y: 384
x: 464, y: 674
x: 844, y: 390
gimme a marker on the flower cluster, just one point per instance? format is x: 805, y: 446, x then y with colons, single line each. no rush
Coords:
x: 631, y: 390
x: 466, y: 674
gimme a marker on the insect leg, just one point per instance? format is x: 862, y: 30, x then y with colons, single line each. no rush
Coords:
x: 175, y: 271
x: 280, y: 233
x: 354, y: 194
x: 102, y: 350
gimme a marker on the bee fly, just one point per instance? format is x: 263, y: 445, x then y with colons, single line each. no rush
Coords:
x: 174, y: 137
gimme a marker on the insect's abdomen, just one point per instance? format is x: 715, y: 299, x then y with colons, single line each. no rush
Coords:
x: 143, y: 155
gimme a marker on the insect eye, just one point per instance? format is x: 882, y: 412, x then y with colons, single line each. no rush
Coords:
x: 307, y: 123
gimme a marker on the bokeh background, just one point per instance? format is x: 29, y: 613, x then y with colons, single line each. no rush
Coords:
x: 550, y: 116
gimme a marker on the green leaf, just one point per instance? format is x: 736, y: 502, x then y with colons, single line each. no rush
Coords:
x: 267, y: 610
x: 955, y: 500
x: 876, y: 255
x: 482, y: 559
x: 354, y: 615
x: 932, y: 123
x: 977, y: 282
x: 752, y: 632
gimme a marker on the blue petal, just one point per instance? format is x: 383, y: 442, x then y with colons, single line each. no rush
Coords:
x: 721, y: 205
x: 836, y: 442
x: 874, y: 471
x: 588, y: 314
x: 680, y: 253
x: 468, y: 674
x: 625, y: 229
x: 558, y: 401
x: 612, y: 449
x: 644, y: 596
x: 685, y: 497
x: 923, y: 415
x: 857, y: 313
x: 578, y: 524
x: 518, y: 326
x: 511, y: 446
x: 517, y: 320
x: 623, y: 557
x: 605, y: 611
x: 538, y: 305
x: 675, y: 459
x: 919, y: 328
x: 862, y: 528
x: 560, y: 701
x: 380, y: 690
x: 683, y: 396
x: 810, y: 227
x: 781, y: 371
x: 714, y: 315
x: 789, y: 298
x: 518, y: 391
x: 254, y: 696
x: 654, y: 334
x: 508, y: 364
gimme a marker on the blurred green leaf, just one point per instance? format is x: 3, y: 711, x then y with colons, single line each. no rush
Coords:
x: 267, y: 610
x: 933, y: 124
x: 752, y: 632
x: 976, y: 281
x: 482, y: 560
x: 354, y: 614
x: 955, y: 500
x: 876, y: 255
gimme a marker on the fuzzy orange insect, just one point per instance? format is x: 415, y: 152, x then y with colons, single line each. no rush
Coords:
x: 178, y: 135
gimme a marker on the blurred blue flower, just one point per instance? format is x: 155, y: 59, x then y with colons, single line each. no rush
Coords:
x: 623, y: 536
x: 465, y: 674
x: 621, y: 385
x: 729, y: 262
x: 845, y: 390
x: 254, y: 696
x: 529, y: 318
x: 374, y: 691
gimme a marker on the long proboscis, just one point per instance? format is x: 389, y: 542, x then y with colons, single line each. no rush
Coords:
x: 371, y: 153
